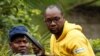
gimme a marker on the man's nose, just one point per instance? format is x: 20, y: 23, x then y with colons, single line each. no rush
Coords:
x: 53, y: 23
x: 22, y: 44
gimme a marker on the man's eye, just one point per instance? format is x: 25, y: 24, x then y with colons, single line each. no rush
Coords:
x: 17, y: 42
x: 48, y: 21
x: 56, y: 18
x: 25, y: 41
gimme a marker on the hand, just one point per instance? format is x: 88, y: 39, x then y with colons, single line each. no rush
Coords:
x: 37, y: 51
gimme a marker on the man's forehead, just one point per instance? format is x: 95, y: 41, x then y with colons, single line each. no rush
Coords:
x: 21, y: 38
x: 52, y: 10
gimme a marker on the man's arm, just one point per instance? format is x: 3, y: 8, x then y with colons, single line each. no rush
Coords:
x: 80, y: 45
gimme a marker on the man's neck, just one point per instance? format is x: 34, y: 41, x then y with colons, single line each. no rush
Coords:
x: 59, y: 33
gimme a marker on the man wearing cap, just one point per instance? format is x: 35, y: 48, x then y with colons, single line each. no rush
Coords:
x: 18, y: 40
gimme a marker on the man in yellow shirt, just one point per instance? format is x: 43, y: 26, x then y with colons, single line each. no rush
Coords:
x: 67, y: 38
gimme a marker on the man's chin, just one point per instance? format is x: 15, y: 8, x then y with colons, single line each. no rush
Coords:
x: 23, y: 51
x: 53, y: 31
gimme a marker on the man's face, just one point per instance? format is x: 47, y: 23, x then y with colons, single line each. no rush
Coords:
x: 54, y: 20
x: 20, y: 45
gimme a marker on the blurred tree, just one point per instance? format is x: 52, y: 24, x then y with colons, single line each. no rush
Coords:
x: 30, y: 14
x: 13, y: 13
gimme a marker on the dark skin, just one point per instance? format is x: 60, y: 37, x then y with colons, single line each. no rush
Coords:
x: 37, y: 51
x: 54, y: 21
x: 20, y: 45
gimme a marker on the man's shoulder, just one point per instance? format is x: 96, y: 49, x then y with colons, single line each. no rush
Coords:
x: 75, y: 32
x: 76, y: 35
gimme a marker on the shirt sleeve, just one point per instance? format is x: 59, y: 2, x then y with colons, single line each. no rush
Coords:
x: 81, y: 49
x: 80, y: 45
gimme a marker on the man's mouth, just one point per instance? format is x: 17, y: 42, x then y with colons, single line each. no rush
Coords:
x: 23, y: 51
x: 53, y: 28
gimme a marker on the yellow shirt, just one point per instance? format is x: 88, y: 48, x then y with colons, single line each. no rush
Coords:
x: 72, y: 42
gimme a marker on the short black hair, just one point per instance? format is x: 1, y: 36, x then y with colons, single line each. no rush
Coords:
x: 17, y: 36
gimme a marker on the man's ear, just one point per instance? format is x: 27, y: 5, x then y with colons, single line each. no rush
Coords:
x: 62, y: 15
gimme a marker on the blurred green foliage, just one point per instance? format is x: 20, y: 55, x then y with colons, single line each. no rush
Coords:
x: 30, y: 14
x: 13, y: 13
x: 96, y: 46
